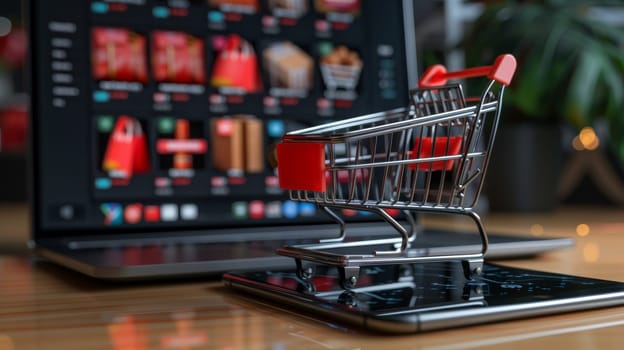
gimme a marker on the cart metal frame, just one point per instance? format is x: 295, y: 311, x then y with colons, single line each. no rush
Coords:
x: 430, y: 156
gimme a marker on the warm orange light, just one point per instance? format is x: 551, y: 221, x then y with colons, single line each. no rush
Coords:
x: 577, y: 145
x: 582, y: 230
x: 591, y: 252
x: 588, y: 138
x: 537, y: 230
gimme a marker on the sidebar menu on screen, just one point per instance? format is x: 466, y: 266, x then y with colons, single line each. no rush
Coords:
x: 61, y: 73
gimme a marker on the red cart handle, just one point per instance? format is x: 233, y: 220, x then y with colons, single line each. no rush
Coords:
x: 502, y: 71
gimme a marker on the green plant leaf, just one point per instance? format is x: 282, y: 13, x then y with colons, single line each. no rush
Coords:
x: 578, y: 101
x: 570, y: 64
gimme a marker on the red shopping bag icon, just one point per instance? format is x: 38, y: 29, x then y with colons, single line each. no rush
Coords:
x: 126, y: 153
x: 237, y: 66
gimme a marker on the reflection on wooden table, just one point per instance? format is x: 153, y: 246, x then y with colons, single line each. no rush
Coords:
x: 43, y: 306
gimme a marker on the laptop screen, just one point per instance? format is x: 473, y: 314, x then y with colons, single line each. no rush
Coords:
x: 161, y: 115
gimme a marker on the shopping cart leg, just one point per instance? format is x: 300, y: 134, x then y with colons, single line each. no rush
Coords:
x: 348, y: 298
x: 340, y: 223
x: 475, y: 266
x: 413, y: 225
x: 305, y: 273
x: 405, y: 236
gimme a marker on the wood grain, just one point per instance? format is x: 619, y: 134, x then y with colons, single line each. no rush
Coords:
x: 43, y: 306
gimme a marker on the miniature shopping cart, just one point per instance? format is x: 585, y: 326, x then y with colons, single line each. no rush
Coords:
x: 430, y: 156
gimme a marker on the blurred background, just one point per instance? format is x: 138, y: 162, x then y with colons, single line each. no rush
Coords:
x: 561, y: 141
x: 13, y: 102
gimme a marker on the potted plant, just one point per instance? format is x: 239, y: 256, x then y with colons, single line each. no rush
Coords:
x: 570, y: 71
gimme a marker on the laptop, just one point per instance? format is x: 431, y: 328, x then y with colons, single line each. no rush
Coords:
x: 154, y: 122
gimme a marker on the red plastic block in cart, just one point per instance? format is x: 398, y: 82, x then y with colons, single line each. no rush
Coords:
x: 301, y: 166
x: 439, y: 150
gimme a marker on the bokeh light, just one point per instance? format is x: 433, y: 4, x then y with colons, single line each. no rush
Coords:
x: 591, y: 252
x: 582, y: 230
x: 5, y: 26
x: 537, y: 230
x: 586, y: 140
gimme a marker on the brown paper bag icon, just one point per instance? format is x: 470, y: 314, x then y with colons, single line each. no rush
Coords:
x: 238, y: 144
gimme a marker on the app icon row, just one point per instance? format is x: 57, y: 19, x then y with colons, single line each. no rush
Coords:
x: 237, y: 65
x: 115, y: 214
x: 257, y: 209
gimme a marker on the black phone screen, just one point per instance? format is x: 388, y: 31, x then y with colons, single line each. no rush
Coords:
x: 412, y: 295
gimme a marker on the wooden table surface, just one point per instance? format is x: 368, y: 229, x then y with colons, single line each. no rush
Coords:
x: 43, y: 306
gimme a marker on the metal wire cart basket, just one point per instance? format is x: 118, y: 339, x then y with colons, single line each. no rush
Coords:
x: 429, y: 156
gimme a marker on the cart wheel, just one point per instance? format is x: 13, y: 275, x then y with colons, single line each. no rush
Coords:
x: 305, y: 273
x: 473, y: 290
x: 349, y: 276
x: 347, y: 298
x: 472, y: 268
x: 306, y: 286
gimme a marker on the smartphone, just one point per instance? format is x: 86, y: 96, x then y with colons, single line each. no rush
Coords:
x: 411, y: 298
